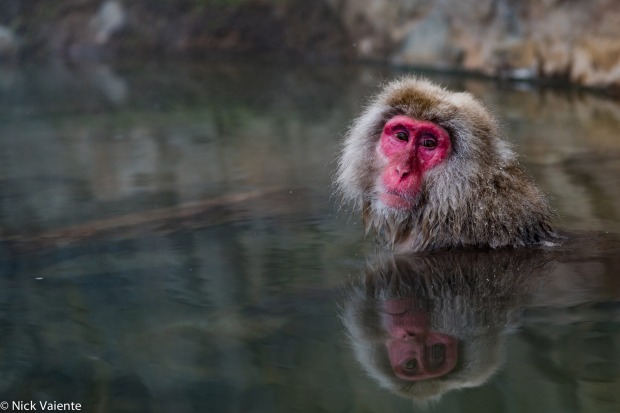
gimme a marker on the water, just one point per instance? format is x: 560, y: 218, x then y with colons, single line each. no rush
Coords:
x: 170, y: 243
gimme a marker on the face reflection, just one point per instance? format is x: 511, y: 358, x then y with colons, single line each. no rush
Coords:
x: 415, y: 352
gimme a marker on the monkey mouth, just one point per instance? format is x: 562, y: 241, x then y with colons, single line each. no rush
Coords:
x: 396, y: 200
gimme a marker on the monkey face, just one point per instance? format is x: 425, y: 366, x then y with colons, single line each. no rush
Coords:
x: 415, y: 351
x: 408, y: 149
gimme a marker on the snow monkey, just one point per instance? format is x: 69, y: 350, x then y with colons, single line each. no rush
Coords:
x: 429, y: 170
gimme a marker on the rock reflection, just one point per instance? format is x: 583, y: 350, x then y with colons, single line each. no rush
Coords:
x: 423, y: 325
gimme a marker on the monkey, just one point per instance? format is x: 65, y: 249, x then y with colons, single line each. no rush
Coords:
x: 423, y: 324
x: 429, y: 170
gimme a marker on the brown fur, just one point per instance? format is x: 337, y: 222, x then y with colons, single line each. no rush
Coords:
x: 478, y: 197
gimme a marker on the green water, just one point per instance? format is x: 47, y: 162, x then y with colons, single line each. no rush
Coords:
x: 169, y: 242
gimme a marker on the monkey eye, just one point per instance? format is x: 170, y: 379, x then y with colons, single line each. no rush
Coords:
x: 410, y: 365
x: 429, y: 143
x: 402, y: 136
x: 438, y: 351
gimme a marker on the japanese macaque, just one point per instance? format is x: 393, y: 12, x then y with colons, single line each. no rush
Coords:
x: 429, y: 170
x: 424, y: 324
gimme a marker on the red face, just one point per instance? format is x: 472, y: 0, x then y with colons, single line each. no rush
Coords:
x: 411, y: 147
x: 415, y: 352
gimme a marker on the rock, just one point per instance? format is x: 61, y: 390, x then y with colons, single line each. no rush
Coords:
x: 515, y: 58
x: 427, y: 43
x: 576, y: 41
x: 378, y: 26
x: 596, y: 62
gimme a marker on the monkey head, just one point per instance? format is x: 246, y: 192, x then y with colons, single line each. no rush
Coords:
x: 429, y: 170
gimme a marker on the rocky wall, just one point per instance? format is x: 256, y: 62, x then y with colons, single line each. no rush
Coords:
x: 565, y: 40
x: 576, y: 40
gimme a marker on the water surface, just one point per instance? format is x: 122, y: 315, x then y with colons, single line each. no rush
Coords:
x: 170, y: 242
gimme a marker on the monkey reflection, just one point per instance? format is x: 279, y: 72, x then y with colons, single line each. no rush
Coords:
x: 422, y: 325
x: 414, y: 350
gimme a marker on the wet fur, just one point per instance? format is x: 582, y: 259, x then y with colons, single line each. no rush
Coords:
x: 478, y: 197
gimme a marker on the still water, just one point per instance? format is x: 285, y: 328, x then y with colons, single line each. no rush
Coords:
x: 170, y: 242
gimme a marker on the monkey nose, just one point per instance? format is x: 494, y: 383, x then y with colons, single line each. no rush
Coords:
x: 404, y: 334
x: 403, y: 170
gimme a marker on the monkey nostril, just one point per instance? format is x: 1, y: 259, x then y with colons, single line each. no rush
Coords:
x: 402, y: 171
